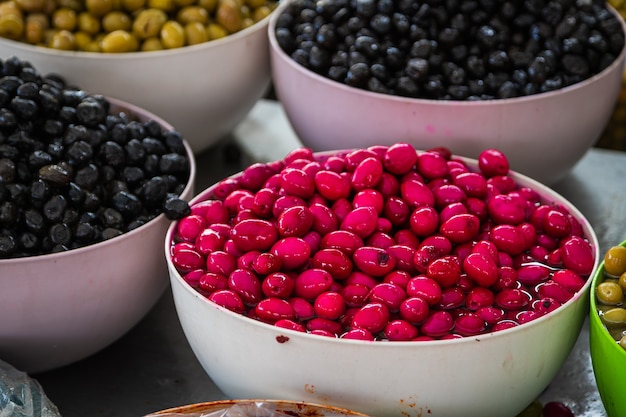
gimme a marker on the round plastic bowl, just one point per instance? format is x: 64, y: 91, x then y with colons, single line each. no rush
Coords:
x: 544, y: 135
x: 607, y: 357
x: 492, y: 375
x: 256, y: 408
x: 56, y: 309
x: 204, y: 90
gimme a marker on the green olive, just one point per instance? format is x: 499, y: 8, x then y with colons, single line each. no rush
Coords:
x: 36, y: 24
x: 614, y: 317
x: 172, y: 35
x: 152, y: 44
x: 228, y: 15
x: 184, y: 3
x: 88, y: 23
x: 83, y: 40
x: 215, y: 31
x: 31, y: 6
x: 116, y: 20
x: 195, y: 33
x: 622, y: 341
x: 11, y: 26
x: 615, y: 261
x: 76, y: 5
x: 148, y: 23
x: 63, y: 40
x: 64, y: 19
x: 132, y: 5
x: 261, y: 13
x: 189, y: 14
x: 99, y: 7
x: 165, y: 5
x: 609, y: 292
x: 255, y: 4
x: 119, y: 41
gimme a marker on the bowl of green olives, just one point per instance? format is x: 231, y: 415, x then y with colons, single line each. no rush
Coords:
x: 529, y: 80
x: 88, y: 187
x: 201, y: 65
x: 607, y: 329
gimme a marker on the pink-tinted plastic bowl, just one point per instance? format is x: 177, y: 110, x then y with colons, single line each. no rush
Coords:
x: 544, y: 135
x: 59, y: 308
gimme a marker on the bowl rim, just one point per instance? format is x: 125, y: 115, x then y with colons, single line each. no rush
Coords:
x: 141, y: 55
x: 547, y: 195
x: 277, y: 51
x: 118, y: 105
x: 605, y: 336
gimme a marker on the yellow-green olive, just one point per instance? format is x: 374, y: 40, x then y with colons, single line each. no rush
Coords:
x: 99, y: 7
x: 31, y: 6
x: 165, y: 5
x: 132, y: 5
x: 215, y: 31
x: 64, y: 19
x: 152, y: 44
x: 172, y: 35
x: 195, y: 33
x: 615, y: 261
x: 88, y: 23
x: 116, y: 20
x: 189, y: 14
x: 228, y: 15
x: 11, y: 26
x: 83, y: 40
x: 119, y: 41
x: 609, y: 292
x: 36, y: 24
x: 63, y: 40
x: 148, y: 23
x: 614, y: 317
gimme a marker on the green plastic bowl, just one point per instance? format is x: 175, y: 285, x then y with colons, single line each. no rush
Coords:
x: 607, y: 357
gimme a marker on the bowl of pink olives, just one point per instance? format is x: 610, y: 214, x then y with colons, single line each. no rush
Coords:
x: 387, y: 280
x: 88, y: 187
x: 201, y: 65
x: 537, y: 80
x: 607, y: 329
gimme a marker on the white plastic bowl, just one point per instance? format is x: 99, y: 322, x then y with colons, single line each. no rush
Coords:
x: 204, y: 90
x: 544, y: 135
x: 59, y: 308
x: 491, y: 375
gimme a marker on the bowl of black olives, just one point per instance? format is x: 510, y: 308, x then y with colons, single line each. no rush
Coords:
x: 537, y: 80
x: 200, y: 65
x: 88, y: 187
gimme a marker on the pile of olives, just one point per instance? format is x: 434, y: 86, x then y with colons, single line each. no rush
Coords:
x: 74, y: 171
x: 126, y: 25
x: 452, y: 49
x: 610, y: 294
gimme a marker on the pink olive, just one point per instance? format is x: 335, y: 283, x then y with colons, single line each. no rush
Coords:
x: 424, y: 221
x: 284, y: 202
x: 396, y: 209
x: 211, y: 282
x: 437, y: 324
x: 186, y: 260
x: 416, y: 193
x: 479, y: 297
x: 263, y: 202
x: 424, y: 287
x: 372, y: 317
x: 373, y: 261
x: 312, y: 282
x: 460, y: 228
x: 189, y: 227
x: 228, y: 299
x: 355, y: 295
x: 491, y: 315
x: 326, y: 326
x: 577, y: 255
x: 292, y: 251
x: 361, y: 221
x: 344, y: 240
x: 532, y: 274
x: 414, y: 310
x: 400, y: 330
x: 389, y: 185
x: 553, y: 290
x: 270, y: 310
x: 336, y: 262
x: 469, y: 324
x: 451, y: 298
x: 254, y: 234
x: 570, y: 280
x: 278, y: 285
x: 295, y: 221
x: 492, y: 162
x: 446, y: 270
x: 400, y: 158
x: 246, y: 284
x: 329, y: 305
x: 508, y: 239
x: 302, y: 308
x: 367, y: 174
x: 358, y: 334
x: 472, y: 183
x: 507, y: 209
x: 481, y: 269
x: 432, y: 165
x: 369, y: 197
x: 290, y: 324
x: 332, y: 185
x: 512, y: 299
x: 404, y: 257
x: 254, y: 176
x: 389, y: 294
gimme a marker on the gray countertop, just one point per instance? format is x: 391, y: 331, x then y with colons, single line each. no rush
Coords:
x: 152, y: 367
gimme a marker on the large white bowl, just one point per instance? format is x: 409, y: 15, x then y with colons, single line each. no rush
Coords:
x: 59, y: 308
x: 204, y: 90
x: 490, y: 375
x: 544, y: 135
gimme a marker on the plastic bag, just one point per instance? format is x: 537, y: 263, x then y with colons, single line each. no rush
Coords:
x: 22, y: 396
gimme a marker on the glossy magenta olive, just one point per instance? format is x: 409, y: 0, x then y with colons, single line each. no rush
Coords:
x: 396, y: 209
x: 329, y: 305
x: 374, y: 261
x: 361, y: 221
x: 295, y: 221
x: 263, y: 202
x: 424, y: 221
x: 432, y: 165
x: 533, y: 274
x: 577, y: 255
x: 424, y: 287
x: 492, y: 162
x: 569, y: 280
x: 446, y: 270
x: 358, y: 334
x: 469, y: 324
x: 389, y: 294
x: 210, y: 282
x: 403, y: 255
x: 297, y: 183
x: 321, y: 324
x: 369, y: 197
x: 367, y: 174
x: 292, y: 251
x: 400, y: 158
x: 291, y: 325
x: 270, y: 310
x: 451, y: 298
x: 332, y: 185
x: 508, y: 238
x: 189, y: 227
x: 481, y: 269
x: 312, y: 282
x: 414, y: 310
x: 372, y: 317
x: 512, y: 299
x: 355, y: 295
x: 303, y: 309
x: 437, y: 324
x: 344, y: 240
x: 278, y: 285
x: 187, y: 259
x: 336, y: 262
x: 400, y: 330
x: 228, y: 299
x: 460, y: 228
x: 213, y: 211
x: 479, y: 297
x: 247, y: 285
x: 416, y: 193
x: 254, y: 234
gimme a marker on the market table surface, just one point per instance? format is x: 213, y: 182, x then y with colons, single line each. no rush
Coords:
x: 153, y: 368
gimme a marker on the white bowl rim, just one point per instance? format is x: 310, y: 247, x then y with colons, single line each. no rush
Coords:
x: 619, y: 61
x: 131, y: 108
x: 141, y: 55
x: 548, y: 194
